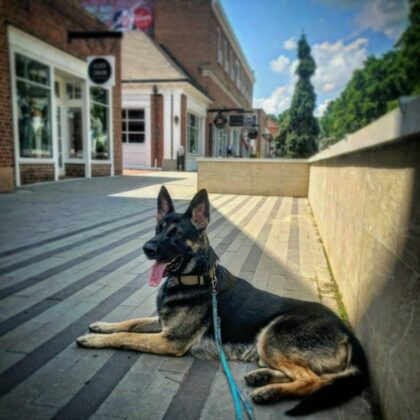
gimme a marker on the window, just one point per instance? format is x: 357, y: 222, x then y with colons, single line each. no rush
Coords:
x: 193, y: 133
x: 99, y: 122
x: 219, y: 47
x: 232, y: 67
x: 73, y: 90
x: 238, y: 73
x: 226, y: 57
x: 133, y: 126
x: 33, y: 95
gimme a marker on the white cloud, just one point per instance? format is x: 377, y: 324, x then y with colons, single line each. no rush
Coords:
x: 335, y: 65
x: 277, y: 102
x: 387, y: 16
x: 319, y: 111
x: 290, y: 44
x: 280, y: 65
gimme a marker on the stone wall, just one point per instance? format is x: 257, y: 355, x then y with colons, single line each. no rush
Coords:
x: 277, y: 177
x: 365, y: 196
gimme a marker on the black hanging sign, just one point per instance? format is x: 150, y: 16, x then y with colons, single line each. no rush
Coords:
x: 220, y: 121
x: 101, y: 70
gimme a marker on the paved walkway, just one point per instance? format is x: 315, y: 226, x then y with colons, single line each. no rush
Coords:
x: 71, y: 254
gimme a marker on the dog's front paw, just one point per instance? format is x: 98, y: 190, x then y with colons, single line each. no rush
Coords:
x: 101, y: 327
x: 265, y: 395
x: 91, y: 340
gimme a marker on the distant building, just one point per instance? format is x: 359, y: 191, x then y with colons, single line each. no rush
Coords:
x: 173, y: 82
x: 52, y: 122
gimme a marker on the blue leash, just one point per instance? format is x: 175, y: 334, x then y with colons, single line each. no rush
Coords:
x: 237, y: 396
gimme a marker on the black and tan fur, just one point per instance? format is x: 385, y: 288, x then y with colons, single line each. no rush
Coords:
x: 303, y: 348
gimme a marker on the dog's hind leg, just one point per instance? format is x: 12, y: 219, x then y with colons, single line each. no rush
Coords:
x: 151, y: 325
x: 265, y: 376
x: 302, y: 382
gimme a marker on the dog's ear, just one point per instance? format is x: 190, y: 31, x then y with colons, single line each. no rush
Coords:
x: 199, y: 210
x: 164, y: 203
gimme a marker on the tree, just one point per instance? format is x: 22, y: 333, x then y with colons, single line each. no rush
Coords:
x: 374, y: 90
x: 302, y: 128
x: 280, y: 139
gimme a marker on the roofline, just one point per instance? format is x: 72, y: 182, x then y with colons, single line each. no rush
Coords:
x: 159, y: 81
x: 224, y: 21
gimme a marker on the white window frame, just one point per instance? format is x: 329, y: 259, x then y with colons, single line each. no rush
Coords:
x: 238, y: 74
x: 226, y: 48
x: 127, y: 119
x: 110, y: 159
x: 199, y: 133
x: 232, y: 65
x: 219, y: 47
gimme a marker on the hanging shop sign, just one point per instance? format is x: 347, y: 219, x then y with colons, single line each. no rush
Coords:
x: 220, y: 121
x: 253, y: 133
x: 101, y: 70
x: 236, y: 121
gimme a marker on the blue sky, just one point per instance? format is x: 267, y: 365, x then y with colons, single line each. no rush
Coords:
x: 342, y: 33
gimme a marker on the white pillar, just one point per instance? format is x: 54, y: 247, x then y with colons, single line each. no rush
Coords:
x: 177, y: 127
x: 86, y: 129
x: 167, y: 111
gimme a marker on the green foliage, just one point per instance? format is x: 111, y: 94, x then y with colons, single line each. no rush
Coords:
x: 375, y: 89
x: 298, y: 127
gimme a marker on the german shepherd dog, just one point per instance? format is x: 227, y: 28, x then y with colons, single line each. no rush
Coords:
x: 303, y: 349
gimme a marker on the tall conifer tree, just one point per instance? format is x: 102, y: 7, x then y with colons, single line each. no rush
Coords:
x: 302, y: 130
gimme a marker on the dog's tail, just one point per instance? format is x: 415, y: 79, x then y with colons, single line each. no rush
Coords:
x: 344, y: 385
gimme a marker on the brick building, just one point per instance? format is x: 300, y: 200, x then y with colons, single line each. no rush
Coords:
x: 188, y: 65
x: 52, y: 122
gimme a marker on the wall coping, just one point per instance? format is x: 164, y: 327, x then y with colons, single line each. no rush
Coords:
x: 390, y: 128
x: 250, y: 160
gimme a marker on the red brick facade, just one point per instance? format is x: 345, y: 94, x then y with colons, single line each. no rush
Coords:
x: 101, y: 170
x: 189, y: 29
x: 50, y: 21
x: 156, y: 124
x: 36, y: 173
x: 76, y: 170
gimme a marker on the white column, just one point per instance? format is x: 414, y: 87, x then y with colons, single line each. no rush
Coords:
x: 86, y: 129
x: 177, y: 127
x: 54, y: 124
x: 167, y: 124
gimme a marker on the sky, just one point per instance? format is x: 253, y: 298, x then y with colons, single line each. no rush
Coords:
x: 341, y: 33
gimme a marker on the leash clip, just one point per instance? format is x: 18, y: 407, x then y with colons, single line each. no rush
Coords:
x: 214, y: 285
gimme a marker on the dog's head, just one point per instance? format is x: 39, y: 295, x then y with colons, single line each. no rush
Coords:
x: 180, y: 237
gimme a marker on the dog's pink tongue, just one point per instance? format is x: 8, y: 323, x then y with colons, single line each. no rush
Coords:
x: 156, y: 273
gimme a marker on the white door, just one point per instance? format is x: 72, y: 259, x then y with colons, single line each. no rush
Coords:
x: 136, y: 150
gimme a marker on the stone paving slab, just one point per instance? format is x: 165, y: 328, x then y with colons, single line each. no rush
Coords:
x: 79, y: 244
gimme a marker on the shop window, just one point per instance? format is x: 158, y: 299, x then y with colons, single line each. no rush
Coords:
x: 99, y: 123
x: 193, y: 133
x: 133, y: 130
x: 33, y: 96
x: 75, y: 132
x: 219, y: 47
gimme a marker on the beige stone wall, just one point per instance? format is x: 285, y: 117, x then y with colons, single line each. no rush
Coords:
x: 367, y: 207
x: 279, y: 177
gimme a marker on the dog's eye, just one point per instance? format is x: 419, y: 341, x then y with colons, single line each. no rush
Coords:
x: 173, y: 231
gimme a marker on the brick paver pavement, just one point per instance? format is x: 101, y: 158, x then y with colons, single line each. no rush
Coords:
x: 71, y: 254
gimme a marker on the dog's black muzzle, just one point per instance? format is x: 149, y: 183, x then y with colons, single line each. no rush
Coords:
x: 150, y: 249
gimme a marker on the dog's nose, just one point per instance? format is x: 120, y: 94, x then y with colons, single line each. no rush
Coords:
x: 150, y: 249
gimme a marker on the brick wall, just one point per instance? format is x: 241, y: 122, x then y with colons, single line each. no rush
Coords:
x: 156, y: 125
x: 101, y: 170
x: 50, y: 20
x: 189, y: 29
x: 76, y: 170
x: 36, y: 173
x: 183, y: 122
x: 6, y: 130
